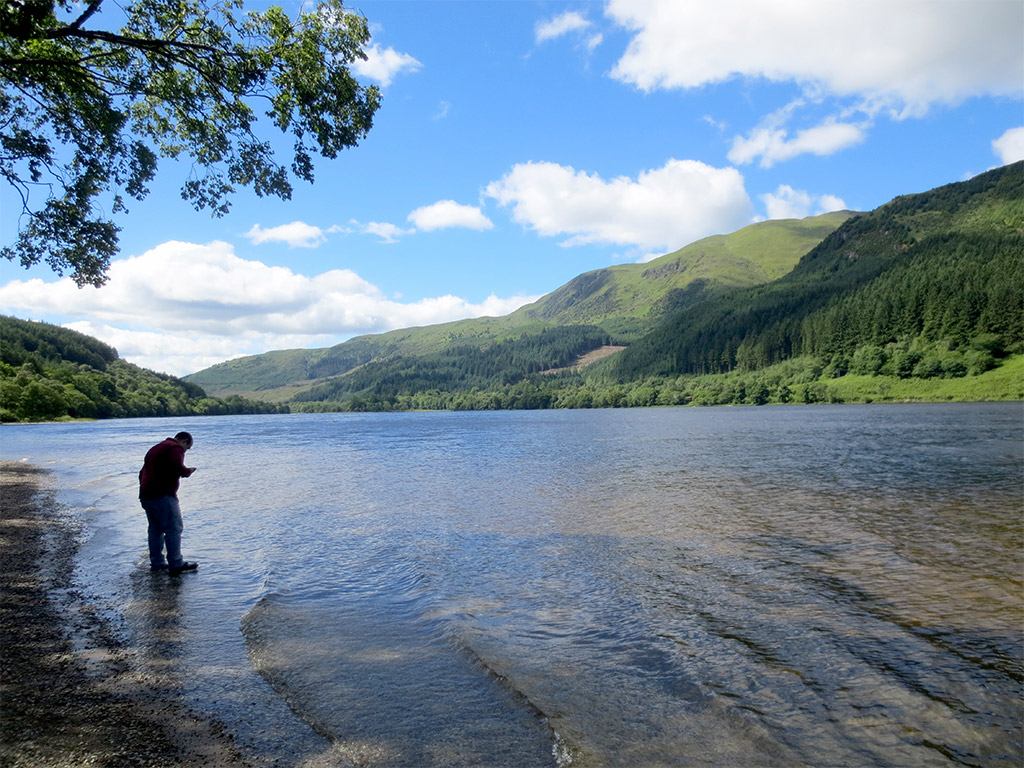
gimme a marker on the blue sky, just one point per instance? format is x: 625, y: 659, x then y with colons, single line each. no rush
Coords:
x: 522, y: 143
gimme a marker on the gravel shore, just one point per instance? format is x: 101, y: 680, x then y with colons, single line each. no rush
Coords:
x: 68, y: 696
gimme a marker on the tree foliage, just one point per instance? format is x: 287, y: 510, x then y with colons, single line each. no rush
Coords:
x: 50, y: 373
x: 87, y: 112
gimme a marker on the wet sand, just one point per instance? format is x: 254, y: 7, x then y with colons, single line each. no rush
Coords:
x: 68, y: 695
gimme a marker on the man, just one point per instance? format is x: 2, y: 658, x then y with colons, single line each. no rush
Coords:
x: 158, y: 491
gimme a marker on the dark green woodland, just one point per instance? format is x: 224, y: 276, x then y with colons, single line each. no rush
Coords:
x: 49, y: 373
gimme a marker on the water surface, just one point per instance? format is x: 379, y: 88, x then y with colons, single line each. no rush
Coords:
x: 662, y: 587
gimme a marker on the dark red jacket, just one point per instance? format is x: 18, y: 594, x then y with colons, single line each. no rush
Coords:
x: 162, y: 470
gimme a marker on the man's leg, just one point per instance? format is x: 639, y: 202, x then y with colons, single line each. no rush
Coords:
x: 155, y: 534
x: 165, y: 513
x: 172, y: 533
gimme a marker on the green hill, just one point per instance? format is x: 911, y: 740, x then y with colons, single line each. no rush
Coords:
x: 920, y: 299
x: 623, y: 301
x: 935, y: 279
x: 52, y: 373
x: 645, y: 293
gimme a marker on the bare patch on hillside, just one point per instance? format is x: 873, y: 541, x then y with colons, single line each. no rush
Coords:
x: 591, y: 357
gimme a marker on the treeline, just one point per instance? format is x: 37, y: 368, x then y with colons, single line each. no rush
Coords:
x: 461, y: 368
x: 943, y: 268
x: 50, y: 373
x: 21, y: 340
x: 804, y: 380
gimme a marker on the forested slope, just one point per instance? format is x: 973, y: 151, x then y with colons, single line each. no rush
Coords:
x: 462, y: 367
x: 48, y: 373
x: 929, y: 284
x: 920, y: 299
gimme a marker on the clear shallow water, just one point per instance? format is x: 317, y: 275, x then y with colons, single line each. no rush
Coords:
x: 665, y: 587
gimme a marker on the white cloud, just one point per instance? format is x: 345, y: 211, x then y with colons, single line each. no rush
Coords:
x: 181, y: 306
x: 447, y: 213
x: 666, y: 207
x: 297, y: 234
x: 906, y: 55
x: 570, y: 21
x: 720, y: 125
x: 1010, y: 146
x: 443, y: 108
x: 388, y: 232
x: 829, y: 203
x: 384, y: 64
x: 772, y: 144
x: 789, y: 203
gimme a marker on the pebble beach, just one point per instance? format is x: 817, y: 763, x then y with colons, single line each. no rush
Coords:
x: 68, y: 694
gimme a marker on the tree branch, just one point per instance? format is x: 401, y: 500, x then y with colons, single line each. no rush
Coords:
x: 89, y: 11
x: 138, y: 43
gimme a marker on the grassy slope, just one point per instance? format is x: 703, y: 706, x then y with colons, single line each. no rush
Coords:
x: 266, y: 371
x: 750, y: 256
x: 1003, y: 383
x: 630, y: 296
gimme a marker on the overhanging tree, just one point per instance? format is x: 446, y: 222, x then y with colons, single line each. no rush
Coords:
x: 87, y: 112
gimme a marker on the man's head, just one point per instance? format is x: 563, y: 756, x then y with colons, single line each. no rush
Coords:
x: 184, y: 439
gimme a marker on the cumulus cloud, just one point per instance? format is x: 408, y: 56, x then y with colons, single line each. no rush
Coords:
x: 829, y: 203
x: 384, y: 64
x: 182, y: 306
x: 789, y: 203
x: 1009, y: 147
x: 298, y: 234
x: 906, y: 55
x: 773, y: 144
x: 868, y: 58
x: 666, y: 208
x: 570, y: 21
x: 445, y: 214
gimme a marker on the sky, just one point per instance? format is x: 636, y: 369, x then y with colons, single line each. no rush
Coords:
x: 521, y: 143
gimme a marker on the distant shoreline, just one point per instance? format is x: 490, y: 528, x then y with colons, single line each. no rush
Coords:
x: 67, y: 696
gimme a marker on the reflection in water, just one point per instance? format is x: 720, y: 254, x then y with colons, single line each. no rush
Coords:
x: 671, y: 587
x: 155, y: 613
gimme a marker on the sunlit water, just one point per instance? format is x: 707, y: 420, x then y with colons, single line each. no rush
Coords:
x: 822, y: 586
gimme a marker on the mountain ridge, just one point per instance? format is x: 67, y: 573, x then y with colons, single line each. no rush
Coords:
x: 970, y: 231
x: 625, y: 300
x: 921, y: 299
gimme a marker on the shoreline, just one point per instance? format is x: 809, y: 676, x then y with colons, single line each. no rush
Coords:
x: 68, y: 694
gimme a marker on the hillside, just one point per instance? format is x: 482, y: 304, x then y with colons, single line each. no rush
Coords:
x: 920, y: 299
x: 937, y: 275
x: 646, y: 293
x: 624, y: 301
x: 51, y: 373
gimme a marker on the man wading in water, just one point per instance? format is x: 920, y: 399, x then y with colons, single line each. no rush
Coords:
x: 158, y: 491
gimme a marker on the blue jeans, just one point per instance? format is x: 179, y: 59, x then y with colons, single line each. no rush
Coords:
x: 165, y: 527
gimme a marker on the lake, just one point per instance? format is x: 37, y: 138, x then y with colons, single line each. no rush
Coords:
x: 820, y: 585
